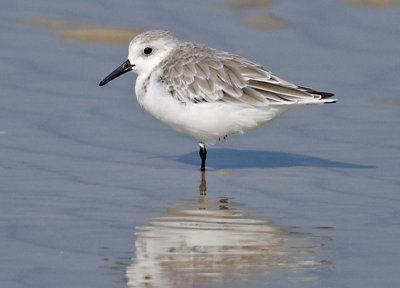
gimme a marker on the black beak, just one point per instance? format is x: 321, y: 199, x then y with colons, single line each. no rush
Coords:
x: 125, y: 67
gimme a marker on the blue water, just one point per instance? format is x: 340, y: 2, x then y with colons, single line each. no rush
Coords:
x: 85, y: 172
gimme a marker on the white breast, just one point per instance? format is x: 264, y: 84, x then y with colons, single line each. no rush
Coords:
x: 206, y: 122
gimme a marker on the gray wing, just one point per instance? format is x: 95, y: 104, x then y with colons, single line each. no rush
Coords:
x: 199, y: 74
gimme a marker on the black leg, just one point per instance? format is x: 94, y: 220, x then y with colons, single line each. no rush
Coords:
x: 203, y: 184
x: 203, y: 156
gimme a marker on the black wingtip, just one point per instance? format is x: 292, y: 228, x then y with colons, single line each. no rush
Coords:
x: 322, y: 94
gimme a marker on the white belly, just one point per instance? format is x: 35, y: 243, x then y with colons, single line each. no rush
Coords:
x: 206, y: 121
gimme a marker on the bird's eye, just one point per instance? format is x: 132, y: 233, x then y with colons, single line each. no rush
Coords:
x: 147, y: 50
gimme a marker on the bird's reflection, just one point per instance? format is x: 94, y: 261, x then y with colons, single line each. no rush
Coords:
x: 209, y: 240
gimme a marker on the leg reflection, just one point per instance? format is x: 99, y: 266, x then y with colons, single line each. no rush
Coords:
x: 203, y: 184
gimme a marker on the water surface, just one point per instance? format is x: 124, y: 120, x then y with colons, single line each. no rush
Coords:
x: 96, y: 193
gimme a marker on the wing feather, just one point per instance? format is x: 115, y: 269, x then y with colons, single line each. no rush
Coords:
x: 203, y: 70
x: 197, y: 74
x: 204, y: 86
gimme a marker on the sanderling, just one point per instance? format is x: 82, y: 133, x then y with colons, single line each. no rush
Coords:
x: 206, y: 93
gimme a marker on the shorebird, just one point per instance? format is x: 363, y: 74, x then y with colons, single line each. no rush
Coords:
x: 207, y: 93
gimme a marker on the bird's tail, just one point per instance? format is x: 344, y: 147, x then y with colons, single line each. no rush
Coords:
x: 324, y: 95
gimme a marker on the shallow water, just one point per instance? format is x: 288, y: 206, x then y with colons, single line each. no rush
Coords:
x: 96, y: 193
